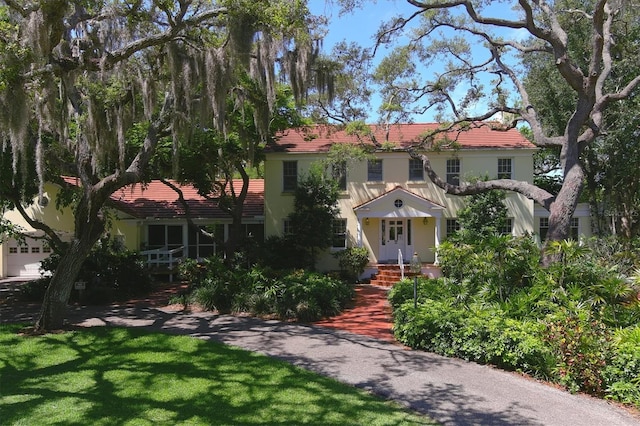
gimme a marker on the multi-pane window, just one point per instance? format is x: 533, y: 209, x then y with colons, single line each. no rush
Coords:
x: 339, y: 173
x: 573, y: 232
x: 35, y: 249
x: 505, y: 168
x: 416, y: 170
x: 167, y: 237
x: 13, y: 250
x: 453, y: 171
x: 202, y: 245
x: 289, y: 176
x: 24, y: 249
x: 453, y: 226
x: 374, y: 170
x: 507, y: 228
x: 46, y: 248
x: 287, y: 227
x: 339, y: 233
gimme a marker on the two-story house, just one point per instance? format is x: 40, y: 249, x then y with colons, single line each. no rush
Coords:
x: 388, y: 204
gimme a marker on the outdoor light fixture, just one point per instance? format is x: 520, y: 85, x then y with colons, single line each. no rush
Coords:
x: 366, y: 221
x: 425, y: 220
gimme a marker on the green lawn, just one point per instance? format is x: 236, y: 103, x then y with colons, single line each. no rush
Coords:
x: 116, y: 376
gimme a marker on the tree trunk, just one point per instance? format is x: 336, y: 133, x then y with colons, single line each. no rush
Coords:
x: 54, y: 306
x: 88, y: 229
x: 562, y: 209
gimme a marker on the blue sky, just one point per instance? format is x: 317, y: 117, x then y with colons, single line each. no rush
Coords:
x: 361, y: 25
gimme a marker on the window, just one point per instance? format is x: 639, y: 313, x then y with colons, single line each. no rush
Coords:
x: 374, y: 170
x: 339, y: 233
x: 24, y: 249
x: 289, y: 176
x: 168, y: 237
x: 453, y: 171
x: 201, y: 245
x: 13, y: 250
x: 287, y: 227
x: 453, y: 226
x: 505, y: 169
x: 35, y: 249
x: 46, y: 248
x: 507, y: 229
x: 543, y: 228
x: 416, y: 170
x: 409, y: 236
x: 573, y: 232
x: 339, y: 173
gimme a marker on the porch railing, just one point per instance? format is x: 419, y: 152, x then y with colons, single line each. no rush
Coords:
x: 163, y: 260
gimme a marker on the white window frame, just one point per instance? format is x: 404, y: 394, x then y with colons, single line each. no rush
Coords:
x: 289, y: 179
x: 505, y: 168
x: 453, y: 171
x: 416, y: 173
x: 373, y: 174
x: 340, y: 233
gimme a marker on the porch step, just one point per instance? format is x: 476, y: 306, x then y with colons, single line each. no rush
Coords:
x: 389, y: 274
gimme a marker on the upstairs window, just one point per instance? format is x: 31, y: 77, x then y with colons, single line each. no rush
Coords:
x: 289, y: 176
x: 339, y: 173
x: 453, y: 171
x: 416, y: 170
x: 374, y: 170
x: 505, y: 168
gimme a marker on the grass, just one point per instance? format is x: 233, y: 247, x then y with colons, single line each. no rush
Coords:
x: 116, y: 376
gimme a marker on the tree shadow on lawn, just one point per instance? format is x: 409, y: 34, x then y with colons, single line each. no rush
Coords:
x: 116, y: 375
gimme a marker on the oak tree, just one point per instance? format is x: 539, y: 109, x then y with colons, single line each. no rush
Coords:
x: 485, y: 41
x: 78, y: 77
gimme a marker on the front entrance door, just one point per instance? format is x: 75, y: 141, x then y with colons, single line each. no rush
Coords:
x: 394, y: 234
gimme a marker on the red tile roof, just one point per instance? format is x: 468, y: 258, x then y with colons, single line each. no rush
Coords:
x: 320, y: 138
x: 157, y: 200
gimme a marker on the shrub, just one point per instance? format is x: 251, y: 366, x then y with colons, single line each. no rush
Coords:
x: 352, y: 261
x: 582, y: 347
x: 622, y: 374
x: 497, y: 266
x: 294, y: 295
x: 110, y: 272
x: 481, y: 336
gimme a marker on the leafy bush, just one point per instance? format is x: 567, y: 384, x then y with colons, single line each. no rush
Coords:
x: 294, y: 295
x: 110, y: 272
x: 497, y: 305
x: 496, y: 265
x: 622, y: 374
x: 582, y: 347
x: 352, y: 261
x: 481, y: 336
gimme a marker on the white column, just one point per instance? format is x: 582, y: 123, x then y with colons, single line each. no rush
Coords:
x: 438, y: 230
x: 359, y: 232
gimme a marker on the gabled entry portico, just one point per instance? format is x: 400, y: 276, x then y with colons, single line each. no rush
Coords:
x: 399, y: 221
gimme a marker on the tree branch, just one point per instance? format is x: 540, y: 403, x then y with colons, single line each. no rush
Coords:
x: 542, y: 197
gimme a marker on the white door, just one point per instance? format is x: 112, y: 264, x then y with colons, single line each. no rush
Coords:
x: 23, y: 260
x: 394, y: 239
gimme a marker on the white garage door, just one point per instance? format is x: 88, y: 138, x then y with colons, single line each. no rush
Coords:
x: 23, y: 259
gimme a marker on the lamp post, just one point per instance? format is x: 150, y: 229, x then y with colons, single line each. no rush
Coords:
x: 416, y: 269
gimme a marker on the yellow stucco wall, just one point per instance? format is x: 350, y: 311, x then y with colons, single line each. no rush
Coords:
x: 474, y: 163
x: 119, y: 225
